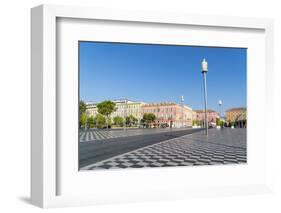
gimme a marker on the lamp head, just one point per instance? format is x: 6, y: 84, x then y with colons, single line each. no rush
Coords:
x: 204, y: 65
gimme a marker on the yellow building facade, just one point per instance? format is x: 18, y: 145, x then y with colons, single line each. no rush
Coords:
x: 237, y: 116
x: 124, y: 108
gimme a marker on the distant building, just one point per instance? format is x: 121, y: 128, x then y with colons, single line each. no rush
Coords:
x: 127, y: 107
x: 237, y: 117
x: 199, y: 115
x: 169, y: 113
x: 124, y: 108
x: 91, y: 109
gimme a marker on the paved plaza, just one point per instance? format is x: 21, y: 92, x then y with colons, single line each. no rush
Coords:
x: 225, y: 146
x: 96, y: 134
x: 98, y: 150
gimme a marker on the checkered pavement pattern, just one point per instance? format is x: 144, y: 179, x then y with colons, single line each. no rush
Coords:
x: 227, y: 146
x: 90, y: 135
x: 94, y: 134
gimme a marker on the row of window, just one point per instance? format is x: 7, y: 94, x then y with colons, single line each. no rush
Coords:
x: 159, y: 110
x: 128, y: 106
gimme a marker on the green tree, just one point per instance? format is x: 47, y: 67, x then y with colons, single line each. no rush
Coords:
x: 82, y: 108
x: 148, y: 118
x: 106, y: 108
x: 195, y: 122
x: 91, y: 122
x: 118, y: 121
x: 131, y: 120
x: 221, y: 123
x: 217, y: 121
x: 100, y: 121
x: 83, y: 120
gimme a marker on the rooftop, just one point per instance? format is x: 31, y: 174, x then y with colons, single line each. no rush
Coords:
x: 117, y: 101
x: 237, y: 109
x: 202, y: 110
x: 160, y: 104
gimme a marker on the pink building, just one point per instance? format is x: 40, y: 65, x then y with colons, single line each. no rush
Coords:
x: 170, y: 114
x: 199, y: 115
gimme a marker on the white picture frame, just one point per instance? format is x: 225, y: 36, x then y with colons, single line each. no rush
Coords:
x: 46, y: 170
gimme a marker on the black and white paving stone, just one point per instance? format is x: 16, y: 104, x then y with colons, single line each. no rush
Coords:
x: 97, y: 134
x: 226, y: 146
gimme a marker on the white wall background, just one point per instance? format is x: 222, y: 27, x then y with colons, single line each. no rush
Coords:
x: 15, y: 103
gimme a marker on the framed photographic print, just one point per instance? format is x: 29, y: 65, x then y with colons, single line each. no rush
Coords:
x: 148, y: 106
x: 155, y: 127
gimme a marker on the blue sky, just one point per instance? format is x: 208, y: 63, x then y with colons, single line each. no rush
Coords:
x: 157, y: 73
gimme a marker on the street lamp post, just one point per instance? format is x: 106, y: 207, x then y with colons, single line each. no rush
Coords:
x: 182, y: 114
x: 220, y: 103
x: 125, y: 113
x: 204, y: 72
